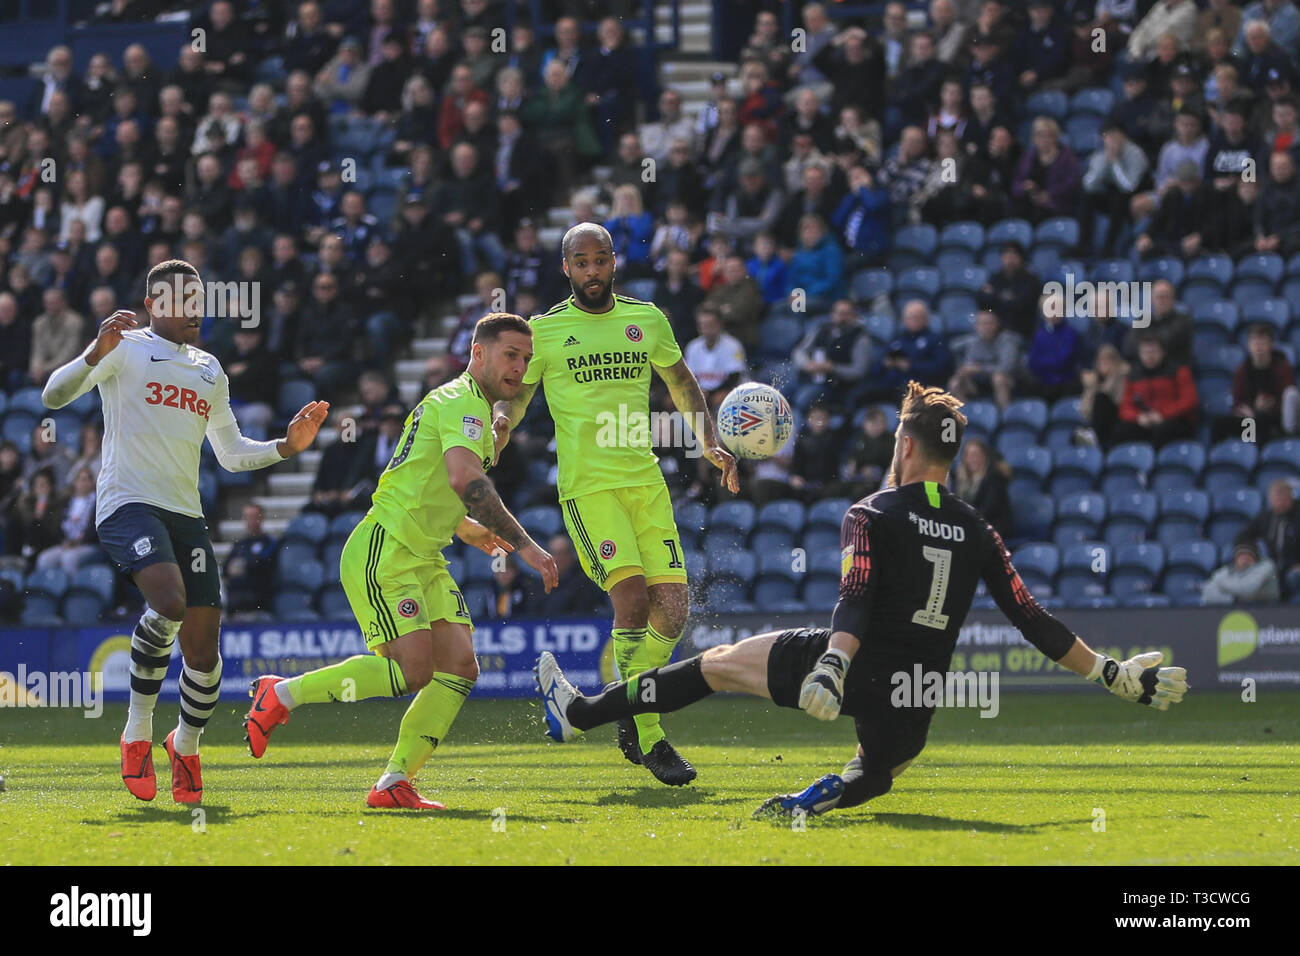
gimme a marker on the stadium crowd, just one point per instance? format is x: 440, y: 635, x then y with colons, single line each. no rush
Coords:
x: 884, y: 200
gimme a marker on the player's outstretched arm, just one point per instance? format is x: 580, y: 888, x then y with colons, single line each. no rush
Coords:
x: 477, y: 536
x: 689, y: 399
x: 236, y: 453
x: 466, y: 477
x: 506, y: 414
x: 1139, y: 679
x: 69, y: 382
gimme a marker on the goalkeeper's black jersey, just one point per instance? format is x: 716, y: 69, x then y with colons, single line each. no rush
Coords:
x: 911, y: 560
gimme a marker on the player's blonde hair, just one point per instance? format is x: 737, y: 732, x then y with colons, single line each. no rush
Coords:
x: 933, y: 419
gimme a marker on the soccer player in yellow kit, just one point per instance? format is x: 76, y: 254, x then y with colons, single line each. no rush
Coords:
x: 409, y: 607
x: 594, y: 353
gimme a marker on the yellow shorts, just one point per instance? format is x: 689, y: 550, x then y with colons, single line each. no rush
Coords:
x: 391, y: 590
x: 622, y: 532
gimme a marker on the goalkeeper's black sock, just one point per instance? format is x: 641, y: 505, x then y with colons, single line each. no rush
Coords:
x: 861, y: 784
x: 659, y: 690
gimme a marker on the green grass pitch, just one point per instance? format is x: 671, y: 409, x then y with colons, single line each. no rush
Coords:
x: 1215, y: 780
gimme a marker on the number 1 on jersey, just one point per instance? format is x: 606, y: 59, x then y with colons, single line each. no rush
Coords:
x: 931, y: 615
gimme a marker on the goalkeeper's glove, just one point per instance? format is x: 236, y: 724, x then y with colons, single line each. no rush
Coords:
x: 823, y: 689
x: 1139, y: 679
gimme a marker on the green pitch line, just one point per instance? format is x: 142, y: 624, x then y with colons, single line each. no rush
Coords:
x: 1215, y: 779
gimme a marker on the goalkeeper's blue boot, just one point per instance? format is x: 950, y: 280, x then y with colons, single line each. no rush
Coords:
x: 557, y: 694
x: 821, y: 796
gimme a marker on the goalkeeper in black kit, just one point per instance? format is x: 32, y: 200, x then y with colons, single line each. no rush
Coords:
x: 912, y: 558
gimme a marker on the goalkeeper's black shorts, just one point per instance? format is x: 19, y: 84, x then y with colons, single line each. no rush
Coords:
x: 889, y: 735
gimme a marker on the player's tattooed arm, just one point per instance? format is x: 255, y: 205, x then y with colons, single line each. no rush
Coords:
x: 689, y: 399
x: 467, y: 480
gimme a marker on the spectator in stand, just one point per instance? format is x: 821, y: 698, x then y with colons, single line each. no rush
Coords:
x: 982, y: 479
x: 254, y: 375
x: 1138, y: 111
x: 948, y: 29
x: 1160, y: 402
x: 1247, y: 580
x: 609, y: 79
x: 716, y: 358
x: 15, y: 344
x: 1186, y: 210
x: 1115, y: 174
x: 1055, y: 354
x: 58, y: 335
x: 769, y: 269
x: 631, y: 228
x: 575, y: 595
x: 752, y: 208
x: 990, y: 66
x: 816, y: 197
x: 1170, y: 321
x: 819, y: 32
x: 1043, y: 46
x: 11, y: 488
x: 681, y: 179
x: 863, y: 220
x: 761, y: 102
x: 1234, y: 227
x: 467, y: 204
x: 90, y: 450
x: 678, y: 294
x: 558, y: 116
x: 916, y: 352
x: 1222, y: 16
x: 950, y: 113
x: 1103, y: 391
x: 79, y: 541
x: 1177, y: 17
x: 1278, y: 526
x: 488, y: 288
x: 673, y: 233
x: 39, y: 514
x: 817, y: 267
x: 1012, y: 293
x: 1263, y: 390
x: 309, y: 43
x: 987, y: 361
x: 916, y: 88
x: 1048, y: 180
x: 868, y: 459
x: 906, y: 172
x: 893, y: 38
x: 815, y: 463
x: 833, y: 360
x: 511, y: 594
x: 1188, y: 145
x: 737, y: 301
x: 657, y: 138
x: 1088, y: 66
x: 1103, y: 327
x: 249, y: 569
x: 343, y: 80
x: 1281, y: 18
x: 1277, y: 215
x: 80, y: 205
x: 325, y: 337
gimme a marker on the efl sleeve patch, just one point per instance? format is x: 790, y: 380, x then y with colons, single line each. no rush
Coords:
x: 846, y: 561
x: 473, y: 427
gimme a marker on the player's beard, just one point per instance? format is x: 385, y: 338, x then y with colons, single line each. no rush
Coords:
x: 597, y: 304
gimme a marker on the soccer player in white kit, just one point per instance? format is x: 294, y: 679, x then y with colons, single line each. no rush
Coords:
x: 161, y: 396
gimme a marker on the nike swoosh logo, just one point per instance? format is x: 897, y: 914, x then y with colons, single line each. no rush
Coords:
x: 154, y: 358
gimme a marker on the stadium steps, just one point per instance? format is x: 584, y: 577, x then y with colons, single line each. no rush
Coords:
x: 697, y: 23
x: 423, y: 349
x: 281, y: 505
x: 233, y: 528
x: 290, y: 483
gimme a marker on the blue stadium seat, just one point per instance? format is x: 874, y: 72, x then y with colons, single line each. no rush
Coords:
x: 1178, y: 466
x: 1250, y: 294
x: 478, y: 567
x: 1199, y: 295
x: 957, y: 313
x: 1127, y: 467
x: 1111, y: 270
x: 970, y: 279
x: 1037, y: 564
x: 96, y: 579
x: 1075, y: 469
x: 1062, y: 420
x: 785, y: 513
x: 1084, y: 133
x: 1032, y: 516
x: 920, y: 281
x: 1029, y: 413
x: 1051, y: 103
x: 1274, y: 312
x: 382, y: 204
x: 779, y: 335
x: 1230, y: 464
x: 829, y: 512
x: 293, y: 395
x: 773, y: 540
x: 295, y: 551
x: 740, y: 565
x: 1165, y: 267
x: 294, y: 604
x: 739, y: 515
x: 1242, y: 502
x: 643, y: 289
x: 696, y: 565
x: 307, y: 526
x: 1279, y: 459
x: 1267, y: 267
x: 1215, y: 271
x: 1030, y: 462
x: 342, y: 525
x: 869, y: 283
x: 1138, y: 508
x: 40, y: 611
x: 51, y: 582
x: 331, y: 552
x: 1137, y: 569
x: 308, y: 575
x: 28, y: 400
x: 880, y: 326
x: 982, y: 415
x: 920, y: 240
x: 1082, y: 513
x: 1220, y: 358
x: 820, y: 538
x: 1058, y: 233
x: 691, y: 514
x: 1092, y: 101
x: 208, y: 491
x: 480, y: 600
x: 82, y: 608
x: 962, y: 235
x: 1010, y: 230
x: 541, y: 521
x: 721, y: 539
x: 1197, y: 556
x: 17, y: 428
x: 950, y: 260
x: 775, y: 582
